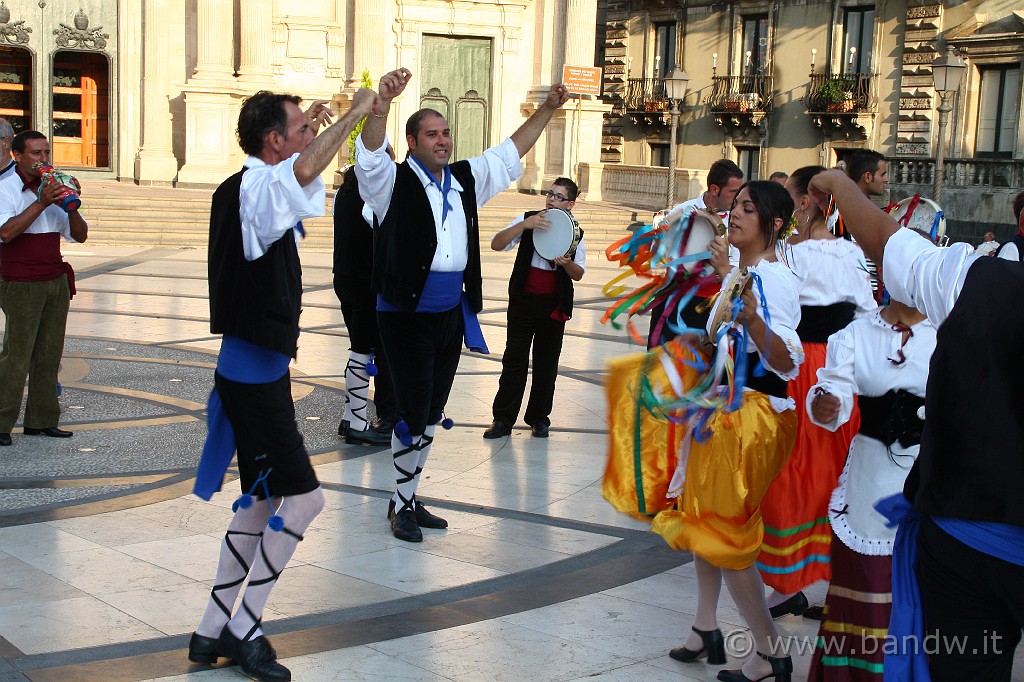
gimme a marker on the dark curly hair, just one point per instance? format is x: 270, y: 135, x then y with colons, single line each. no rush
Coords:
x: 19, y: 140
x: 771, y: 201
x: 262, y: 113
x: 412, y: 126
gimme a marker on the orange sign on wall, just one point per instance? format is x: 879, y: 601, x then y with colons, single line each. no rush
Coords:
x: 582, y: 80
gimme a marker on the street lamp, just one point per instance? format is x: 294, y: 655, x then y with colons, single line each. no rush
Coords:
x: 947, y: 70
x: 675, y: 89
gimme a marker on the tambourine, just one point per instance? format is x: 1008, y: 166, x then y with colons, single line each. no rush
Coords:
x: 560, y: 238
x: 688, y: 237
x: 731, y: 288
x: 921, y: 214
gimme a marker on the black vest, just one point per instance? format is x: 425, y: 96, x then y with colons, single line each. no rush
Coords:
x: 1016, y: 240
x: 353, y: 236
x: 971, y: 464
x: 404, y: 244
x: 258, y: 301
x: 521, y: 270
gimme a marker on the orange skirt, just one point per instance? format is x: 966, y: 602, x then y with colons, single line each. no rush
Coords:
x: 718, y: 516
x: 797, y: 535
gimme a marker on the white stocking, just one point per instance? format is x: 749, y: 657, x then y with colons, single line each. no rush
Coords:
x: 357, y: 389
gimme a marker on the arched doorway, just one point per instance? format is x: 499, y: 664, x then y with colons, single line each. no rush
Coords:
x: 80, y: 109
x: 16, y: 87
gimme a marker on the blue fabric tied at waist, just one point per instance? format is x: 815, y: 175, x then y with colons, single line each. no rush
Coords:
x: 442, y: 292
x: 244, y: 363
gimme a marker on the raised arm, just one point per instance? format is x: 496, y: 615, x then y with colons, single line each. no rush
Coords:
x: 324, y: 148
x: 870, y: 225
x: 527, y: 135
x: 392, y: 85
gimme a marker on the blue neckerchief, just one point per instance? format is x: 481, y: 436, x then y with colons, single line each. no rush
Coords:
x: 443, y: 188
x: 300, y: 228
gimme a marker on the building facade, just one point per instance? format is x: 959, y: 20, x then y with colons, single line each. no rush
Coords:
x: 148, y: 91
x: 779, y: 84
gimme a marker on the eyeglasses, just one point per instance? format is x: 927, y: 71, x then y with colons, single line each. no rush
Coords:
x: 555, y: 195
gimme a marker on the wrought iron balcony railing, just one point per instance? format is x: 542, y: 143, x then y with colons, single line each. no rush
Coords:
x: 647, y: 95
x: 840, y: 93
x: 741, y: 94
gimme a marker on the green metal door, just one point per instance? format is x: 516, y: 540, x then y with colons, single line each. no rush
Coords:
x: 455, y: 79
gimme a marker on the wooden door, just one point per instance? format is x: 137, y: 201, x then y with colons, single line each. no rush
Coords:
x: 456, y: 80
x: 80, y: 106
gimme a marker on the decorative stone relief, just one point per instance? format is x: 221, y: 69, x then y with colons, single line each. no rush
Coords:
x: 80, y: 36
x: 16, y: 33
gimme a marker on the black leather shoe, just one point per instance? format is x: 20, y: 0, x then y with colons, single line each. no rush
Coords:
x: 796, y: 605
x: 202, y: 649
x: 368, y: 436
x: 540, y: 430
x: 497, y: 429
x: 343, y: 428
x: 782, y: 671
x: 256, y: 657
x: 712, y: 646
x: 814, y: 612
x: 424, y: 519
x: 404, y: 526
x: 5, y: 439
x: 51, y: 431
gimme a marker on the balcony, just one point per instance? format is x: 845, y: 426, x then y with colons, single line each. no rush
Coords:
x: 842, y: 106
x: 647, y: 104
x: 740, y: 103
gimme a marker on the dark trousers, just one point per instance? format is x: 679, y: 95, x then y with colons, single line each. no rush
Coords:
x: 424, y: 350
x: 36, y: 315
x: 973, y: 609
x: 359, y: 308
x: 529, y: 323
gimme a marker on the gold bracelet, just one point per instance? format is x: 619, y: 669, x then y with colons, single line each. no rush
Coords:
x: 383, y: 114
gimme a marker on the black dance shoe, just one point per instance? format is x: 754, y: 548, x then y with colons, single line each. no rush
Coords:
x: 51, y: 431
x: 712, y: 646
x: 814, y: 612
x: 796, y: 605
x: 497, y: 429
x: 540, y: 430
x: 368, y: 436
x: 202, y: 649
x: 782, y: 671
x: 256, y: 657
x: 404, y: 526
x: 427, y: 520
x: 343, y: 428
x: 5, y: 439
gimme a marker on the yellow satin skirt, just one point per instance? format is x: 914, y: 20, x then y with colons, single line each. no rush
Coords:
x: 718, y: 516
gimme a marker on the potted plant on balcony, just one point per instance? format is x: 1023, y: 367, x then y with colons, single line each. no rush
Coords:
x: 836, y: 94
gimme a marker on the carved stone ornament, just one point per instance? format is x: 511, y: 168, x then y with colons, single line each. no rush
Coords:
x: 16, y: 33
x: 80, y: 36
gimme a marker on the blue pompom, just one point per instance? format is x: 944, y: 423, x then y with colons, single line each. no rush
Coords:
x: 244, y: 501
x: 447, y: 423
x: 371, y: 369
x: 276, y: 523
x: 402, y: 431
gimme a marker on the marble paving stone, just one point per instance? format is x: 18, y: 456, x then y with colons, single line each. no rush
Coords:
x: 552, y: 538
x: 494, y: 650
x: 38, y: 539
x: 173, y: 610
x: 118, y: 528
x: 193, y: 556
x: 312, y: 589
x: 649, y: 673
x: 23, y: 584
x: 358, y: 664
x: 189, y: 513
x: 492, y: 552
x: 102, y: 570
x: 69, y: 624
x: 409, y: 570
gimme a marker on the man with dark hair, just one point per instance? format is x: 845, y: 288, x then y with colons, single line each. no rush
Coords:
x: 426, y: 269
x: 779, y: 177
x: 539, y: 304
x: 967, y: 522
x: 36, y: 287
x: 6, y: 136
x: 724, y: 180
x: 255, y: 299
x: 869, y: 170
x: 1013, y: 248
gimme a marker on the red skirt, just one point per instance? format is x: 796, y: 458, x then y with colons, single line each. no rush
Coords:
x: 851, y: 640
x: 797, y: 535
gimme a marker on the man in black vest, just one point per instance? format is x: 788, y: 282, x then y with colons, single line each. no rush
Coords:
x: 426, y: 268
x: 539, y: 303
x: 1013, y: 248
x: 966, y: 483
x: 255, y: 300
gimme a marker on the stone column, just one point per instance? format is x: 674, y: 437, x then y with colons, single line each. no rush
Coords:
x: 580, y: 23
x: 215, y: 39
x: 257, y: 43
x: 155, y: 161
x: 367, y: 36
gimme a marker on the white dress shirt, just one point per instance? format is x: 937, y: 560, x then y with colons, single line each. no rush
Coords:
x: 925, y: 276
x: 493, y: 171
x: 272, y: 202
x: 13, y: 201
x: 833, y: 271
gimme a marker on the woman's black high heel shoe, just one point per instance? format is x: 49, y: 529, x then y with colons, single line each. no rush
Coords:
x: 712, y: 646
x: 782, y: 671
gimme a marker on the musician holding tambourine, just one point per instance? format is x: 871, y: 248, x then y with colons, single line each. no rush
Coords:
x: 551, y: 256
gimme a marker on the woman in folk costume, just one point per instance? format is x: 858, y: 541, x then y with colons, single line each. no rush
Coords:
x: 883, y: 360
x: 735, y: 454
x: 836, y: 287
